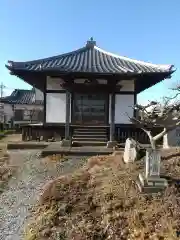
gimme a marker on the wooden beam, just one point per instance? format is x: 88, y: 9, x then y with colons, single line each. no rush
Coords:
x: 112, y: 123
x: 144, y: 80
x: 68, y: 99
x: 45, y: 100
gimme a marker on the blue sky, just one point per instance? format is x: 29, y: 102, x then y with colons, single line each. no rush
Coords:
x: 144, y: 30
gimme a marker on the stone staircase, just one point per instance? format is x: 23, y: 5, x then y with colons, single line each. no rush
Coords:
x: 90, y: 136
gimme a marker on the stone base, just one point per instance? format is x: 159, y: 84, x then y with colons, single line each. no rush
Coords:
x: 66, y: 143
x: 151, y: 184
x: 111, y: 144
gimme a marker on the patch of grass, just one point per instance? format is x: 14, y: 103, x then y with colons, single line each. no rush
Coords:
x: 101, y: 201
x: 4, y: 133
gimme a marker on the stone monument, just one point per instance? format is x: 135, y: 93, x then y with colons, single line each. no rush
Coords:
x: 150, y: 181
x: 130, y: 150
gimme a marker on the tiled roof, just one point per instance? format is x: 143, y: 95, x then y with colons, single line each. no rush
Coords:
x: 90, y: 59
x: 19, y: 96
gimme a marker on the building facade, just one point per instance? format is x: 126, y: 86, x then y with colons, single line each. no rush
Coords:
x: 90, y: 87
x: 23, y: 107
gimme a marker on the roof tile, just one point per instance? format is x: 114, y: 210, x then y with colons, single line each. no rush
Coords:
x: 91, y: 59
x: 21, y: 96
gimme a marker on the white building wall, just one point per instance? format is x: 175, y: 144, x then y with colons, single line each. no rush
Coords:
x: 38, y: 95
x: 56, y: 102
x: 55, y: 107
x: 28, y: 108
x: 127, y: 85
x: 123, y: 107
x: 54, y: 83
x: 8, y: 112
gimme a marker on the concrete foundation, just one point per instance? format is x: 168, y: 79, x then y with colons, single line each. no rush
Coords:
x: 151, y: 184
x: 65, y: 143
x: 111, y: 144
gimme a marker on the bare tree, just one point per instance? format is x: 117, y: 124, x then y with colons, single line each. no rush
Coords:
x: 164, y: 115
x: 30, y: 114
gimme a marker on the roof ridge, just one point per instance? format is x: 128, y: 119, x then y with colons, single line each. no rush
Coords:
x: 29, y: 90
x: 161, y: 66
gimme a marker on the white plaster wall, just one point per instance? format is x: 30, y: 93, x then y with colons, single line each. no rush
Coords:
x: 38, y: 95
x: 8, y: 112
x: 127, y: 85
x: 54, y: 83
x: 8, y: 109
x: 123, y: 105
x: 55, y: 107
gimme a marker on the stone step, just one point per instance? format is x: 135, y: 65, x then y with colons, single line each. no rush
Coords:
x: 90, y: 136
x: 90, y: 132
x: 89, y: 143
x: 96, y: 139
x: 90, y: 129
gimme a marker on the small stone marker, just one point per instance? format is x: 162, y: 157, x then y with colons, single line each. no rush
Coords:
x: 150, y: 181
x: 130, y: 152
x: 153, y: 161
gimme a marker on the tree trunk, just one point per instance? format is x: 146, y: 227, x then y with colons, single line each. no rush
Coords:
x: 151, y: 139
x: 153, y: 142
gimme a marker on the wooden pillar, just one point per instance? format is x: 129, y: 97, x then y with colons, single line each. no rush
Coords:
x: 68, y: 99
x: 112, y: 117
x: 135, y: 98
x: 23, y: 134
x: 45, y: 97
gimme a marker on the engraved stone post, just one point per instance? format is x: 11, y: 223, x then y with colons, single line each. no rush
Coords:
x: 153, y: 160
x: 150, y: 181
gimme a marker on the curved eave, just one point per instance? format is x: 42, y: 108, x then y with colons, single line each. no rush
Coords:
x: 18, y: 71
x: 91, y: 60
x: 21, y: 103
x: 149, y: 81
x: 8, y: 67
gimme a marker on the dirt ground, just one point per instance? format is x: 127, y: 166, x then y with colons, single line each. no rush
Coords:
x: 101, y: 201
x: 25, y: 187
x: 10, y: 138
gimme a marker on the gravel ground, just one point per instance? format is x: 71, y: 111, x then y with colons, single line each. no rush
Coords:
x: 24, y: 188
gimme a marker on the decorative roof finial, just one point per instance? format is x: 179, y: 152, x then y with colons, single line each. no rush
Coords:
x: 91, y: 43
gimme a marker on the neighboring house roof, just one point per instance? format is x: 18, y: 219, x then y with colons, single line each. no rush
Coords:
x: 20, y: 96
x: 91, y: 59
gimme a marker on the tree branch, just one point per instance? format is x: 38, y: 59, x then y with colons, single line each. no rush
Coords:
x: 160, y: 135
